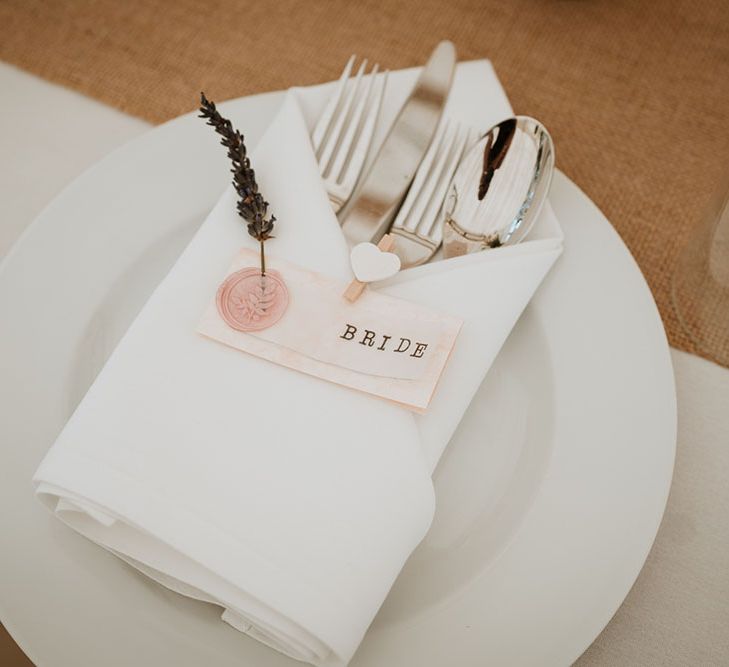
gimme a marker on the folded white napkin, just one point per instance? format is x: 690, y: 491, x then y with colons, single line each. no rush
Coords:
x: 289, y: 501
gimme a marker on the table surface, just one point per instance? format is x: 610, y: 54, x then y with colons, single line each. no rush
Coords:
x: 678, y: 610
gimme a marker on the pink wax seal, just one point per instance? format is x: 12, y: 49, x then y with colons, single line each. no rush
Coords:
x: 249, y: 301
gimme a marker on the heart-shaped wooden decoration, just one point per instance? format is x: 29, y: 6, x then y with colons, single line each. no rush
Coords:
x: 371, y: 264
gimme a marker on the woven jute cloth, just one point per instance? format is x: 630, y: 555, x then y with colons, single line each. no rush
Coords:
x: 635, y: 93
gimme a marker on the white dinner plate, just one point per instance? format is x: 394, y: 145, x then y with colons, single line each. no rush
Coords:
x: 549, y: 496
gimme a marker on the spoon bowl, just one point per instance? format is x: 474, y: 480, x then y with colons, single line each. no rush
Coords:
x: 499, y: 187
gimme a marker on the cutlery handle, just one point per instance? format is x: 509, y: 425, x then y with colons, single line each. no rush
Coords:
x: 366, y: 221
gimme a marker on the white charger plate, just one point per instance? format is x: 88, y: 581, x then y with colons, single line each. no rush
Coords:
x: 549, y: 496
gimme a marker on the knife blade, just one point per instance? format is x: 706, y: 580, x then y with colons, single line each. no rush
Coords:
x: 377, y: 200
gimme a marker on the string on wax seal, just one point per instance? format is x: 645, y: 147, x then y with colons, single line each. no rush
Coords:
x: 246, y: 301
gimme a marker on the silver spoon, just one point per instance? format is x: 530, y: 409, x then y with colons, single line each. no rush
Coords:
x: 499, y: 187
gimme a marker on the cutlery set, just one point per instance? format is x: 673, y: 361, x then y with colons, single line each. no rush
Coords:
x: 432, y: 182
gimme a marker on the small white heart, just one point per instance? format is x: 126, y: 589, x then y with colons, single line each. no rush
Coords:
x: 370, y: 264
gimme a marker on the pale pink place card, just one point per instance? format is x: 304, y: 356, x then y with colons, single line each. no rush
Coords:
x: 389, y: 347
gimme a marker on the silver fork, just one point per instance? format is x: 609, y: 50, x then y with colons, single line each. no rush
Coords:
x: 344, y: 131
x: 418, y: 228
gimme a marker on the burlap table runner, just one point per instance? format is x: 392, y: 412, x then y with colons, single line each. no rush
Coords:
x: 635, y: 94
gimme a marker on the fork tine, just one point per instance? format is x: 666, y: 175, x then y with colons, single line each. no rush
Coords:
x: 431, y: 226
x: 417, y: 225
x: 409, y: 214
x: 333, y: 140
x: 344, y: 132
x: 362, y: 145
x: 322, y: 125
x: 433, y: 178
x: 353, y: 127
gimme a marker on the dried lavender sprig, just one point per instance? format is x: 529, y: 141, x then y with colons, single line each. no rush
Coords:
x: 252, y: 207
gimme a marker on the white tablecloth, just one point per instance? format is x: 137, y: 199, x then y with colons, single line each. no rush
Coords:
x: 678, y: 611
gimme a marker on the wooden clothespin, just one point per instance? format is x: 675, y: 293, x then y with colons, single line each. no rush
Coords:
x: 371, y: 263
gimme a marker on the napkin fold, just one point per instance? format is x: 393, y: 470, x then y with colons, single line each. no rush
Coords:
x: 289, y: 501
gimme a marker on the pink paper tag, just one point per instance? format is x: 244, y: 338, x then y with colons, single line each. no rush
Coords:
x: 381, y: 345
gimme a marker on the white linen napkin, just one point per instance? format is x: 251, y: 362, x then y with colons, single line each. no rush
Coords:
x: 289, y: 501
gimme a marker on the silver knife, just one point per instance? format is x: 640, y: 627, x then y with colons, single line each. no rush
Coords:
x: 377, y: 200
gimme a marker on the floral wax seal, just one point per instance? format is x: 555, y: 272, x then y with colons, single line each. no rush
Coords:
x: 248, y: 300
